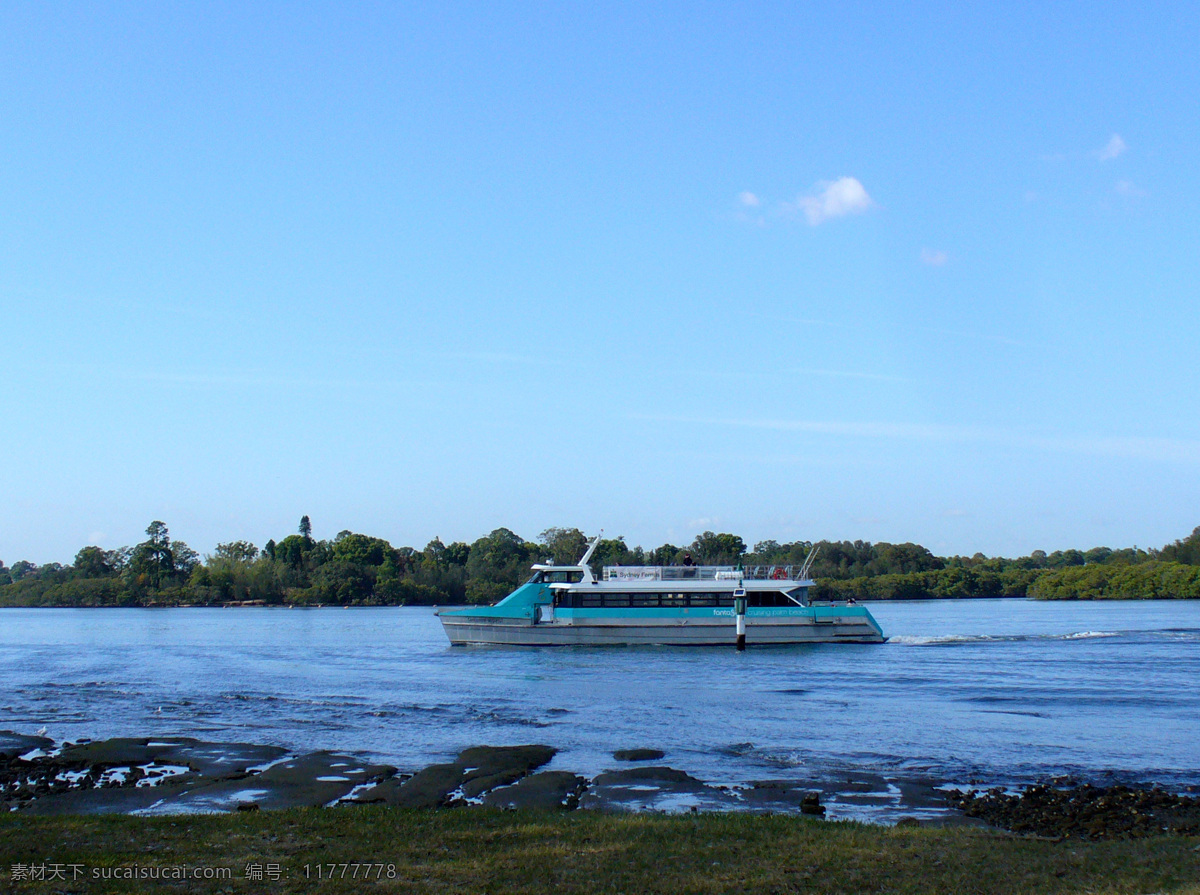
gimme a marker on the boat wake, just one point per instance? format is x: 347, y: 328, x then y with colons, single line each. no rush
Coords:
x: 947, y: 639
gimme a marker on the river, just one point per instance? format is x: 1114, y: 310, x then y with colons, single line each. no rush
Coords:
x: 984, y: 691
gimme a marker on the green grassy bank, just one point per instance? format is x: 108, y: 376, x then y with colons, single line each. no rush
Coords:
x: 490, y: 851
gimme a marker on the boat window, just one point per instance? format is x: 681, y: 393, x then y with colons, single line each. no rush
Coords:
x: 641, y: 600
x: 769, y: 598
x: 562, y: 576
x: 536, y: 579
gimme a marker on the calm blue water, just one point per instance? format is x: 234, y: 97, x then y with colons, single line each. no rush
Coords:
x: 993, y: 690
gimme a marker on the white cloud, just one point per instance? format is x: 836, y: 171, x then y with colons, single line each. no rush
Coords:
x: 834, y: 199
x: 934, y: 258
x: 1126, y: 188
x: 748, y: 199
x: 1114, y: 147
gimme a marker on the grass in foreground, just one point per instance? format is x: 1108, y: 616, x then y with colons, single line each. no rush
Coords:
x: 377, y: 849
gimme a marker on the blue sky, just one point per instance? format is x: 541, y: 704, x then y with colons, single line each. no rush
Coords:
x: 831, y: 271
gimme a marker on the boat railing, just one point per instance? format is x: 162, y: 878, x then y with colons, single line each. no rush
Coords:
x: 702, y: 573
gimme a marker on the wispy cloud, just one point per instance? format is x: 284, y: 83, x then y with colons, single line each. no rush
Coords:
x: 934, y: 258
x: 1127, y: 189
x: 979, y: 337
x: 834, y: 199
x: 1113, y: 148
x: 852, y: 374
x: 749, y: 209
x: 1169, y: 450
x: 237, y: 379
x: 958, y: 334
x: 506, y: 358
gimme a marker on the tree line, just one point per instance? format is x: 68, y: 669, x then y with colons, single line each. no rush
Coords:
x: 359, y: 570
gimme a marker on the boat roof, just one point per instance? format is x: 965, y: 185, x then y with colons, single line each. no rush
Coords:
x: 778, y: 575
x: 705, y: 573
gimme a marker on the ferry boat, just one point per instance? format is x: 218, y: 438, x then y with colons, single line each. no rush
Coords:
x: 696, y: 605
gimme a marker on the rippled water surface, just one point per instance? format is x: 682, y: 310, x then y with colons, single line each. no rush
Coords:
x: 988, y: 690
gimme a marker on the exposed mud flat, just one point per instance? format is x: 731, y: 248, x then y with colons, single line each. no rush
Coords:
x: 182, y: 775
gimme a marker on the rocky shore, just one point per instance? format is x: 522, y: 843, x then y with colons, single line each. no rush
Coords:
x: 182, y: 775
x: 1074, y: 810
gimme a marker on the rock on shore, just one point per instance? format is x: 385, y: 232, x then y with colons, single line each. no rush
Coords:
x: 1083, y: 811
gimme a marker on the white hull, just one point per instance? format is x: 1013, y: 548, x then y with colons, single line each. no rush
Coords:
x: 464, y: 630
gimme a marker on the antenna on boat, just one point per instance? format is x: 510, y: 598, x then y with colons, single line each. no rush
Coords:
x: 591, y: 548
x: 583, y: 563
x: 808, y: 561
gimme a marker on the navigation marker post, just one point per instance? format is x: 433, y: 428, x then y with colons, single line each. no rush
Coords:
x: 739, y: 609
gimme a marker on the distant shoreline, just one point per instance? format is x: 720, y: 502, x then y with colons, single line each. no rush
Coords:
x: 310, y: 606
x: 360, y: 570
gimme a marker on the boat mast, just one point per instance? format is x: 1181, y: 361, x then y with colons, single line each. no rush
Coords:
x: 583, y: 563
x: 808, y: 561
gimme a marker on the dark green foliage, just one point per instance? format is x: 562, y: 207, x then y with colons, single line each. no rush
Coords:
x: 666, y: 555
x: 563, y: 545
x: 614, y: 552
x: 1186, y: 551
x: 158, y: 561
x: 93, y: 562
x: 1153, y: 580
x: 717, y: 549
x: 22, y: 569
x: 496, y: 565
x: 360, y: 570
x: 363, y: 550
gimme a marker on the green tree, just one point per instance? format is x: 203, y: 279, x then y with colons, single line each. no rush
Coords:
x: 457, y: 553
x: 434, y: 552
x: 614, y: 552
x: 496, y: 564
x: 361, y: 549
x: 236, y: 552
x: 158, y: 561
x: 23, y: 569
x: 1186, y: 551
x: 94, y: 562
x: 293, y: 550
x: 564, y: 546
x: 666, y: 555
x: 717, y: 549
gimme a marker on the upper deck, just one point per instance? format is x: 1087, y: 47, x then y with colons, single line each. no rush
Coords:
x: 704, y: 573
